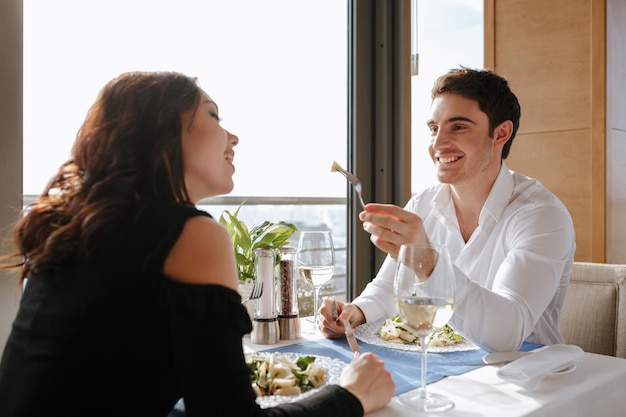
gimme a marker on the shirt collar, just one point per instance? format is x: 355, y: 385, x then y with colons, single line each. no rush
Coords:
x: 441, y: 203
x: 495, y: 205
x: 500, y: 193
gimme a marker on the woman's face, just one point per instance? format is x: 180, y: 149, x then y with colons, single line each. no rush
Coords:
x: 207, y: 151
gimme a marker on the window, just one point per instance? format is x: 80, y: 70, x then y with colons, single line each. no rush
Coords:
x: 450, y: 34
x: 277, y: 69
x: 279, y: 79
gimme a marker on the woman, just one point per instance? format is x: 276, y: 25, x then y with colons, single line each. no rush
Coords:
x: 131, y: 301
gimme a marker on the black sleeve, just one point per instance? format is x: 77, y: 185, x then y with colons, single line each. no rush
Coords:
x: 207, y: 323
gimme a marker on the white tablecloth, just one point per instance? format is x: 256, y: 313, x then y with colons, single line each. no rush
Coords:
x: 596, y: 388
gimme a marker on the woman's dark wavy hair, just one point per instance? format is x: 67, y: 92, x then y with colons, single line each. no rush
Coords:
x: 490, y: 90
x: 127, y: 153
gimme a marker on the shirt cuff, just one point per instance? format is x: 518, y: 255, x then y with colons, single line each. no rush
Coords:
x: 369, y: 308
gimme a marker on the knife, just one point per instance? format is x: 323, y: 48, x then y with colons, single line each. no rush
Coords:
x: 351, y: 339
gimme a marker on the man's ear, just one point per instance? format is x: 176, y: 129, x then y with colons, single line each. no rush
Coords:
x: 502, y: 132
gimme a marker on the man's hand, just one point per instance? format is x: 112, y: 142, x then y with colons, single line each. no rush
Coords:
x: 391, y: 226
x: 332, y: 327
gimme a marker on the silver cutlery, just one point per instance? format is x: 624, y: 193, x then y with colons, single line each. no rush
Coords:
x: 333, y: 311
x: 356, y: 183
x: 351, y: 339
x: 255, y: 293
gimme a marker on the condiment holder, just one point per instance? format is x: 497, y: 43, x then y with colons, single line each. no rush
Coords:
x: 288, y: 315
x: 265, y: 328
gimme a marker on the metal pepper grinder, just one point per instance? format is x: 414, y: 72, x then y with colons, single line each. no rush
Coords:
x: 288, y: 314
x: 265, y: 330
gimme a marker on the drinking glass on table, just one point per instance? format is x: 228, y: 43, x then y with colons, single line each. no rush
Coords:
x: 424, y: 289
x: 316, y: 263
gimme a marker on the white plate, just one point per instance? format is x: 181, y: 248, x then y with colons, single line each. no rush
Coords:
x: 499, y: 357
x: 334, y: 367
x: 367, y: 332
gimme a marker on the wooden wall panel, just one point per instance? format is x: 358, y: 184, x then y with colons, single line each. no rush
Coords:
x: 543, y: 48
x: 553, y: 53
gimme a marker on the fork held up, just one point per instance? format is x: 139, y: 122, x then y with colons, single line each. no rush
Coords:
x: 356, y: 183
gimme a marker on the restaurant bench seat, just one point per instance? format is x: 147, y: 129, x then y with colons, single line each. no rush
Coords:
x: 594, y: 312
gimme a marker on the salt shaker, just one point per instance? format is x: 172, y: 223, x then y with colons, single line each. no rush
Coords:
x: 265, y: 329
x: 288, y: 315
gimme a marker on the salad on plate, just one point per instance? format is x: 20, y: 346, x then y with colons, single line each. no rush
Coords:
x: 392, y: 333
x: 395, y: 331
x: 276, y: 374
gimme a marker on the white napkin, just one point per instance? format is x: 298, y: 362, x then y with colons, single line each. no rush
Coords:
x: 529, y: 370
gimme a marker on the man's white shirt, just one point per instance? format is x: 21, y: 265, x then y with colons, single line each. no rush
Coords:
x: 512, y: 274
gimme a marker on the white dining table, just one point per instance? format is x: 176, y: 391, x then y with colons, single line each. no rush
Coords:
x: 597, y: 387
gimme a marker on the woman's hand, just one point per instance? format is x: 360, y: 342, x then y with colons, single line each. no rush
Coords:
x: 367, y: 379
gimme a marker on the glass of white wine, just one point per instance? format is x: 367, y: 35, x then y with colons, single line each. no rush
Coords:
x: 316, y: 263
x: 424, y: 289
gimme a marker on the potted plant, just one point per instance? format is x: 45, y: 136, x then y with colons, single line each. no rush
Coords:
x: 266, y: 235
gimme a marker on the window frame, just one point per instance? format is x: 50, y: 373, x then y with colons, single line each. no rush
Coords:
x: 379, y: 125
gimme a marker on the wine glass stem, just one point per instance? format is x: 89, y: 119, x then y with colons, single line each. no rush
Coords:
x: 316, y: 302
x: 424, y: 342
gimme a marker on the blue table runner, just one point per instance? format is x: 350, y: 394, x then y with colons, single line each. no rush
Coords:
x: 404, y: 366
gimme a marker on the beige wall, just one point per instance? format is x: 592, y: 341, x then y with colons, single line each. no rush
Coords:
x: 616, y: 131
x: 10, y: 147
x: 554, y: 55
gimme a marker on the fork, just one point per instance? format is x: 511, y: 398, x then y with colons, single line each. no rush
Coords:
x: 257, y: 291
x: 333, y: 311
x: 356, y: 183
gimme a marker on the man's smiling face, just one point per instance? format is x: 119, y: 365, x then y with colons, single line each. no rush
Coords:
x: 460, y: 143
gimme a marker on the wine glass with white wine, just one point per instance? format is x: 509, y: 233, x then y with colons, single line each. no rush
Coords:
x: 424, y: 288
x: 316, y: 263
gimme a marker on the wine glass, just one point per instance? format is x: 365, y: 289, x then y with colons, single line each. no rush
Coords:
x: 424, y: 288
x: 316, y: 263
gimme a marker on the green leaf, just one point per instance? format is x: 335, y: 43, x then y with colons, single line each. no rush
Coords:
x: 266, y: 235
x: 304, y: 361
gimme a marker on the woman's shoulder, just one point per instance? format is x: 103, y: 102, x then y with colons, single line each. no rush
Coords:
x: 202, y: 254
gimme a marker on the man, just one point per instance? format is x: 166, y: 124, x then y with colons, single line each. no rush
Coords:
x: 511, y: 240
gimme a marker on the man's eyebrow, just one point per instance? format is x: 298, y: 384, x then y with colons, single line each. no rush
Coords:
x: 461, y: 119
x: 452, y: 120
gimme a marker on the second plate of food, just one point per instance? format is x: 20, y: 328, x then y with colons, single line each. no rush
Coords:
x: 371, y: 333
